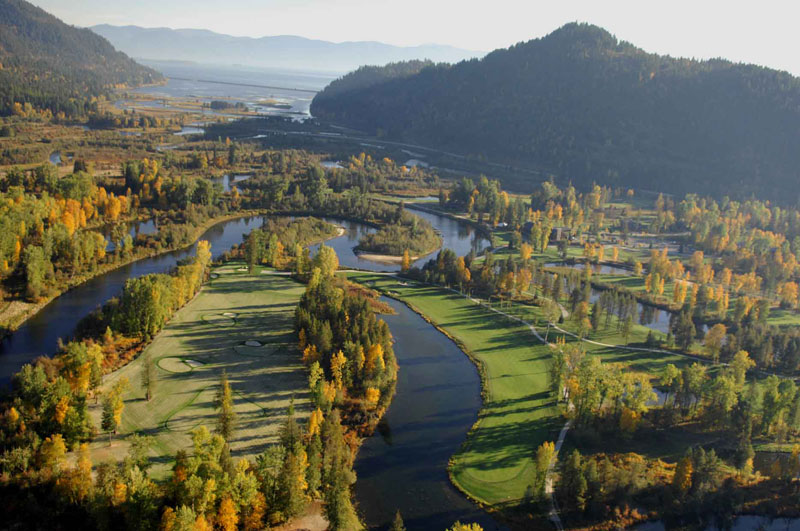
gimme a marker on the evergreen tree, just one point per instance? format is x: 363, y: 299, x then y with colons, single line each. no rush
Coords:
x: 148, y: 374
x: 226, y: 419
x: 397, y: 523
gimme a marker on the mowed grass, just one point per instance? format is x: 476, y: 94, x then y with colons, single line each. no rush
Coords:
x: 204, y: 338
x: 495, y: 465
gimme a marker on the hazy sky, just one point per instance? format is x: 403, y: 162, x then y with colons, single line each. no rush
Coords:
x: 757, y: 31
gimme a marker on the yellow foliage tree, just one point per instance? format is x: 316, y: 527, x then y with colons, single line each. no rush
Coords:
x: 62, y: 407
x: 310, y: 354
x: 315, y: 421
x: 372, y: 395
x: 525, y: 252
x: 406, y: 263
x: 227, y: 518
x: 254, y: 520
x: 375, y: 358
x: 338, y: 362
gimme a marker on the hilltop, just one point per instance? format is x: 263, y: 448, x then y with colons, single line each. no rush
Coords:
x: 581, y: 105
x: 51, y: 65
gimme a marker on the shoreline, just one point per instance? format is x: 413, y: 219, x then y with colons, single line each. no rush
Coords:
x: 19, y: 319
x: 389, y: 259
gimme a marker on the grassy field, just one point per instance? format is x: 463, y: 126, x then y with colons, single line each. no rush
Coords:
x: 495, y: 464
x: 203, y: 338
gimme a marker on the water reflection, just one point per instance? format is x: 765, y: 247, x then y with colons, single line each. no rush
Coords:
x: 405, y: 467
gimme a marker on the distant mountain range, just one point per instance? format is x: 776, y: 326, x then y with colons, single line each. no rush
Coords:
x: 51, y: 65
x: 583, y: 106
x: 285, y: 51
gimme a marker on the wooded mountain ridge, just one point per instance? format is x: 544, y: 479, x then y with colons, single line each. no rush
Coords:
x: 51, y: 65
x: 583, y: 106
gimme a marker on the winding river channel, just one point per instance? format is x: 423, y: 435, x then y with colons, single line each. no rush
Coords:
x: 403, y: 465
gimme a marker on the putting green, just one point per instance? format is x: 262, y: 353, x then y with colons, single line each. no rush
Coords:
x: 495, y: 464
x: 171, y: 364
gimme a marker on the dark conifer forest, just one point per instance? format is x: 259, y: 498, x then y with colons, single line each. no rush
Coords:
x: 583, y: 106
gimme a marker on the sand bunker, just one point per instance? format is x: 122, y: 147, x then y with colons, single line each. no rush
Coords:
x: 229, y: 314
x: 252, y: 343
x: 214, y: 275
x: 193, y: 363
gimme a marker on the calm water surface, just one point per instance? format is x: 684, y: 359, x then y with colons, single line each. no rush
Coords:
x: 404, y: 464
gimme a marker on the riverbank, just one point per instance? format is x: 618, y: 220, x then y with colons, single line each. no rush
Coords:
x: 385, y: 258
x: 17, y: 312
x: 494, y: 466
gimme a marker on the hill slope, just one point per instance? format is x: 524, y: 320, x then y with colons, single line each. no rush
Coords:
x: 584, y: 106
x: 284, y: 51
x: 52, y: 65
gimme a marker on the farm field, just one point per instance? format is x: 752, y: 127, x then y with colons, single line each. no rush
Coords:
x: 519, y: 412
x: 204, y: 338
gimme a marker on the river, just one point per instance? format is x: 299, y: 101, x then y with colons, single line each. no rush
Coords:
x: 40, y: 333
x: 404, y: 464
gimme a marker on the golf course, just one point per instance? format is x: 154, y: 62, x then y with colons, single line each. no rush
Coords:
x: 240, y: 323
x: 495, y: 464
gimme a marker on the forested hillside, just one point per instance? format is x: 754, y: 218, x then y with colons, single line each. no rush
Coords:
x: 49, y: 65
x: 583, y: 106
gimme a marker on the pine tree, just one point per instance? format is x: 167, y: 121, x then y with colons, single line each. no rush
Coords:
x: 148, y: 375
x: 397, y: 523
x: 226, y: 418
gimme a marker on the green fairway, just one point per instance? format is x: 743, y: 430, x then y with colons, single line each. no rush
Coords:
x: 203, y: 338
x: 519, y: 413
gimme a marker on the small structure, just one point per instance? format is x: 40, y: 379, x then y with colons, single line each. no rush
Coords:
x: 560, y: 233
x: 556, y: 233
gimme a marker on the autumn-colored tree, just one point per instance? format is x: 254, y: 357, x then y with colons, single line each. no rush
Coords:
x: 713, y: 341
x: 628, y: 421
x: 406, y: 263
x: 52, y: 453
x: 374, y: 360
x: 113, y: 406
x: 168, y: 520
x: 458, y: 526
x: 79, y: 481
x: 525, y: 252
x: 682, y: 480
x: 523, y: 281
x: 788, y: 292
x: 315, y: 422
x: 310, y: 354
x: 338, y: 362
x: 227, y: 517
x: 326, y: 260
x: 201, y: 524
x: 740, y: 364
x: 372, y: 395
